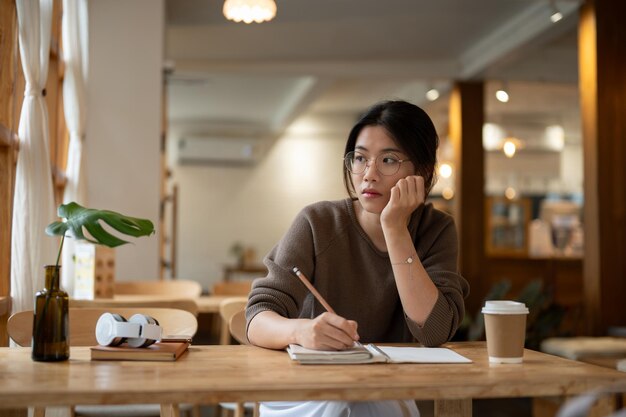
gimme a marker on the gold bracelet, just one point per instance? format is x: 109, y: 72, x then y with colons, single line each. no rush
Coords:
x: 408, y: 260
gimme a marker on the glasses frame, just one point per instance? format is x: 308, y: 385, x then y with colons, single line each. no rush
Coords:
x: 368, y: 163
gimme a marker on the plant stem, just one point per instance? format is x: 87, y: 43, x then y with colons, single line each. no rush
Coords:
x: 60, y: 250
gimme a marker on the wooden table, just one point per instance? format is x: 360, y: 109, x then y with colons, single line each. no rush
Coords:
x: 210, y: 374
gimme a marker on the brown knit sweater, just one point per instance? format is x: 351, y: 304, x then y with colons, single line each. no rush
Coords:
x: 329, y: 246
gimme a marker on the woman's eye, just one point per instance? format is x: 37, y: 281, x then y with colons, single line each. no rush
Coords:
x: 359, y: 158
x: 390, y: 160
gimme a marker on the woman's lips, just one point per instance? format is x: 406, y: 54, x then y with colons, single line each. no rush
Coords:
x: 370, y: 193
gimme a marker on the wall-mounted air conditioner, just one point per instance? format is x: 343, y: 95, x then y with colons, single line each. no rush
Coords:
x: 211, y: 150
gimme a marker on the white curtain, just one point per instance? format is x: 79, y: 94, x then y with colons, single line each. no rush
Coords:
x: 33, y: 207
x: 75, y: 36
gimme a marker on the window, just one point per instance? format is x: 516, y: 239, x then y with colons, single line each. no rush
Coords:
x: 11, y: 97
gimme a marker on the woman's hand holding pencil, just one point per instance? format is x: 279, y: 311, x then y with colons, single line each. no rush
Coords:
x: 328, y: 331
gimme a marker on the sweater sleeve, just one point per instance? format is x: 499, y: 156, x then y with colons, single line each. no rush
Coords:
x: 280, y: 291
x: 439, y: 258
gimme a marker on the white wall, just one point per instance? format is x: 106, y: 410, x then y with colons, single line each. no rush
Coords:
x: 122, y: 159
x: 219, y: 205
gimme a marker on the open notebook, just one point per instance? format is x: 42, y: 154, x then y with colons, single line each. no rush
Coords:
x: 375, y: 354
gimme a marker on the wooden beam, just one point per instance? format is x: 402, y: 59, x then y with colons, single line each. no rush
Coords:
x: 602, y: 69
x: 466, y: 127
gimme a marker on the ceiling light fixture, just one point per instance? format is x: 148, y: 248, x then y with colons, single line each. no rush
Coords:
x: 249, y: 11
x: 509, y: 148
x: 556, y: 13
x: 445, y: 170
x: 510, y: 193
x: 502, y: 94
x: 432, y: 94
x: 511, y: 145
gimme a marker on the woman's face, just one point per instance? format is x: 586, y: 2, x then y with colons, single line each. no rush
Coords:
x: 373, y: 189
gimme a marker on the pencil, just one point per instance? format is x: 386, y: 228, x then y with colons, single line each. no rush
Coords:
x: 317, y: 295
x: 311, y: 288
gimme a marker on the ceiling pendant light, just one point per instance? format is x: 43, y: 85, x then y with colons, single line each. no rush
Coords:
x: 509, y: 148
x: 556, y: 13
x: 249, y: 11
x: 432, y: 94
x: 556, y: 16
x: 511, y: 145
x: 502, y: 95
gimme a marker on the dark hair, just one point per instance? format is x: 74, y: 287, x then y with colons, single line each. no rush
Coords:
x: 412, y: 131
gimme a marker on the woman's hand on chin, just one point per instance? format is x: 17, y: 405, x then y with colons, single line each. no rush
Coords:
x: 406, y: 196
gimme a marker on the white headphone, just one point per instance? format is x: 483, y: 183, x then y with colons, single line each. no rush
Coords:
x: 139, y: 331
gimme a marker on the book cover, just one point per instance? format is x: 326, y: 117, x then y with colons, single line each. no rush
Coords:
x: 164, y: 351
x: 375, y: 354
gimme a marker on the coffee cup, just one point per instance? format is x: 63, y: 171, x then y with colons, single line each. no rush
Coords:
x: 505, y: 326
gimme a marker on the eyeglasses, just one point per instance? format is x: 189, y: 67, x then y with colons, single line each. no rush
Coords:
x: 386, y: 163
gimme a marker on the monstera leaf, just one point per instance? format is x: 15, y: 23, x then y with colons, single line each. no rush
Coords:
x: 78, y: 218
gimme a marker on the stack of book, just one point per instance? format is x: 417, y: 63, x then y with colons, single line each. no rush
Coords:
x: 160, y: 351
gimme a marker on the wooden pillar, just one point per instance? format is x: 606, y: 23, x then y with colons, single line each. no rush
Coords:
x: 602, y: 69
x: 11, y: 79
x: 466, y: 133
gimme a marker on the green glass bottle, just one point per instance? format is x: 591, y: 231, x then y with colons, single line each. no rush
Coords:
x: 51, y: 321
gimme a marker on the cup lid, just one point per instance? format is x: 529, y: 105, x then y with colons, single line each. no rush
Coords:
x: 504, y: 307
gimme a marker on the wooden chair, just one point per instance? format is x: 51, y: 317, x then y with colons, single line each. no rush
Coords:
x: 228, y: 308
x: 5, y: 312
x: 82, y: 333
x: 179, y: 288
x: 237, y: 327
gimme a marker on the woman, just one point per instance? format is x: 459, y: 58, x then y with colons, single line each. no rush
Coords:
x: 385, y: 261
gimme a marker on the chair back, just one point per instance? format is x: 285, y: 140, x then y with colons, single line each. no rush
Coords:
x: 237, y: 327
x: 228, y: 308
x: 232, y: 287
x: 142, y: 302
x: 179, y: 288
x: 83, y: 323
